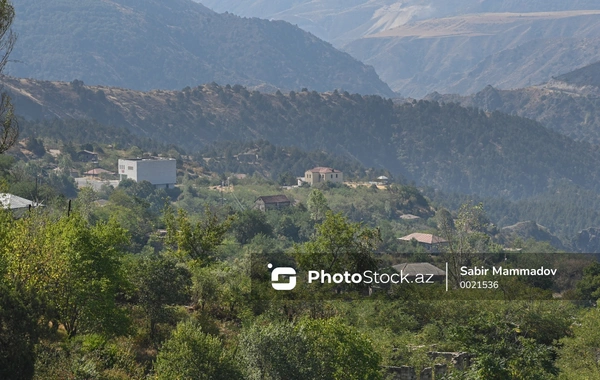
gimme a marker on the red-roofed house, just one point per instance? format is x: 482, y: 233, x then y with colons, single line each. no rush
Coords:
x: 323, y: 174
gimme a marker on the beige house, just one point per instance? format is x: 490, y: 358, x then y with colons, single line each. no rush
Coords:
x: 323, y: 174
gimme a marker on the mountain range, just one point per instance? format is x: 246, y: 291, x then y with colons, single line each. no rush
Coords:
x: 153, y: 44
x: 449, y: 46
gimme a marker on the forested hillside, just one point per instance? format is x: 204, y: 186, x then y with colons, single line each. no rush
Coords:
x: 279, y: 163
x: 449, y: 147
x: 152, y: 44
x: 568, y: 103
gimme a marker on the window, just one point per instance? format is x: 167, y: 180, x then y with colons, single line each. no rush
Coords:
x: 121, y: 166
x: 130, y: 168
x: 336, y: 176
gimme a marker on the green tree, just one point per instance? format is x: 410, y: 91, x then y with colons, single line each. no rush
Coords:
x: 466, y: 237
x: 250, y: 223
x: 19, y: 332
x: 317, y: 204
x: 195, y: 241
x: 578, y: 356
x: 159, y: 283
x: 9, y: 131
x: 339, y: 245
x: 73, y: 267
x: 588, y: 288
x: 314, y: 349
x: 191, y: 354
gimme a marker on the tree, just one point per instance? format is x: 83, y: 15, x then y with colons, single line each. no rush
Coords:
x: 339, y: 245
x: 466, y: 236
x: 588, y: 288
x: 197, y: 241
x: 36, y: 146
x: 192, y: 354
x: 317, y: 204
x: 74, y: 268
x: 250, y: 223
x: 578, y: 357
x: 19, y: 333
x: 9, y: 131
x: 159, y: 283
x: 314, y: 349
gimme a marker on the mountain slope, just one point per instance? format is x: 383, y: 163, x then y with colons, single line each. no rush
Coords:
x: 465, y: 53
x: 341, y: 22
x: 449, y: 46
x: 451, y: 148
x: 148, y: 44
x: 569, y: 103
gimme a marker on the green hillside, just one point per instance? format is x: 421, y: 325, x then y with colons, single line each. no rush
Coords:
x: 446, y: 146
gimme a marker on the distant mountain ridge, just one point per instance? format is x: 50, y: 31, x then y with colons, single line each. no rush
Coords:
x: 568, y: 103
x: 153, y: 44
x: 341, y: 22
x: 463, y: 54
x: 449, y: 46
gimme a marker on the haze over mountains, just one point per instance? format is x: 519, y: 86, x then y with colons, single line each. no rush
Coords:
x: 148, y: 44
x: 517, y: 166
x: 455, y: 46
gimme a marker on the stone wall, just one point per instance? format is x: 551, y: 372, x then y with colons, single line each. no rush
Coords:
x: 459, y: 360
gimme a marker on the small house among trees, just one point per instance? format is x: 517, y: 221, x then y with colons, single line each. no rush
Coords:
x: 268, y: 202
x: 16, y: 204
x: 430, y: 242
x: 87, y: 156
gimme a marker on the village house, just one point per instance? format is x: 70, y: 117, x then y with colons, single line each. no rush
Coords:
x: 430, y: 242
x: 87, y: 156
x: 16, y: 204
x: 97, y: 172
x: 269, y: 202
x: 161, y: 172
x: 323, y: 174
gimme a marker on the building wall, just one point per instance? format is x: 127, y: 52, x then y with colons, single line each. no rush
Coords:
x: 314, y: 178
x: 159, y: 172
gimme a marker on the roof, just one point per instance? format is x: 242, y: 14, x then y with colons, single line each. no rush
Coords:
x: 322, y: 169
x: 382, y: 177
x: 86, y: 152
x: 13, y: 202
x: 274, y: 198
x: 413, y: 269
x: 147, y: 159
x: 97, y: 171
x: 424, y: 238
x: 409, y: 217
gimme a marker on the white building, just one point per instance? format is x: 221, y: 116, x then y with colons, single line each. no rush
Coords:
x: 161, y: 172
